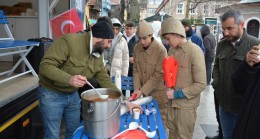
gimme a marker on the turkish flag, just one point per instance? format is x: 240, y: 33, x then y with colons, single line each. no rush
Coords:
x: 67, y: 22
x: 170, y: 69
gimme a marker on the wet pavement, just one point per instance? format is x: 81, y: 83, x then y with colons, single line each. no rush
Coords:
x: 206, y: 123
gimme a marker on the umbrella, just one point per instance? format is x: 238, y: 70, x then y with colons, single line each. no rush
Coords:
x: 170, y: 68
x: 156, y: 17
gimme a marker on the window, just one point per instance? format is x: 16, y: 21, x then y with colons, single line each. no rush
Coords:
x: 151, y: 1
x: 217, y: 7
x: 193, y: 11
x: 157, y: 2
x: 206, y: 9
x: 180, y: 8
x: 151, y: 11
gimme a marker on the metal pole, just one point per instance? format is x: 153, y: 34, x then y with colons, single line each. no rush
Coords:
x: 218, y: 31
x: 161, y: 14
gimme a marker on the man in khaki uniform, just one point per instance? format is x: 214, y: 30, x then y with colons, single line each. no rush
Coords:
x: 190, y: 82
x: 147, y: 70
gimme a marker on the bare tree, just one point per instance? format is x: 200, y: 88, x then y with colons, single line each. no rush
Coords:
x: 195, y: 5
x: 132, y: 9
x: 122, y: 11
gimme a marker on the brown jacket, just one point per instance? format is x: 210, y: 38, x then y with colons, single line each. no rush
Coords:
x: 148, y: 72
x: 191, y: 76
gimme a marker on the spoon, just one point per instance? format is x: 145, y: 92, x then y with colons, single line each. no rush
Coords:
x: 100, y: 96
x: 132, y: 126
x: 147, y: 133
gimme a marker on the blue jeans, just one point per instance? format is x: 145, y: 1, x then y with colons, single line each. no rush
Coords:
x: 55, y: 105
x: 228, y: 122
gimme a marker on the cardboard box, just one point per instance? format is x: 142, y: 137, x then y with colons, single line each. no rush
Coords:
x: 25, y: 4
x: 17, y: 10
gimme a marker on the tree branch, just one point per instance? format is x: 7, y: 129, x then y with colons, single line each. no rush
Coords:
x: 197, y: 2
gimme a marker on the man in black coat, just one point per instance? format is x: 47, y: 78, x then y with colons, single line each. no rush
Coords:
x: 210, y: 43
x: 247, y: 81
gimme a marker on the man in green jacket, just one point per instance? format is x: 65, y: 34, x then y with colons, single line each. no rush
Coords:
x: 68, y: 63
x: 230, y: 54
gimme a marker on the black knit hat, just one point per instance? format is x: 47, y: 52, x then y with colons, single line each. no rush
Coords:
x: 102, y: 30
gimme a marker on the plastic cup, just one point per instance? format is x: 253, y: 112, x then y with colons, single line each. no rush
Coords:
x: 136, y: 113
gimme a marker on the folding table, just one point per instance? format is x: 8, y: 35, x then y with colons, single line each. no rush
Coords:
x: 10, y: 46
x: 17, y: 47
x: 152, y: 122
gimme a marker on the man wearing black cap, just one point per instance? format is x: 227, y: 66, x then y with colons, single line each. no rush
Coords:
x: 68, y: 63
x: 191, y: 35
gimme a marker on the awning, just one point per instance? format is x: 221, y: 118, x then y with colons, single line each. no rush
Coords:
x: 156, y: 17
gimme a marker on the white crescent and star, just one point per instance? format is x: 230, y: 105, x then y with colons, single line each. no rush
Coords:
x: 64, y: 23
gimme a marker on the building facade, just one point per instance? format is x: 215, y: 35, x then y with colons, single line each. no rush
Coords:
x: 178, y: 8
x: 251, y: 12
x: 106, y: 8
x: 93, y: 10
x: 151, y: 8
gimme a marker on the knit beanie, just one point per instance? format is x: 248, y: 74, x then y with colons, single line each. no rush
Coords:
x: 186, y: 22
x: 102, y: 30
x: 144, y: 29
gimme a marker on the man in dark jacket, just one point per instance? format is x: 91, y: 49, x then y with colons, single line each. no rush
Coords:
x: 230, y: 54
x: 209, y: 42
x: 247, y: 81
x: 132, y: 40
x: 210, y: 45
x: 191, y: 35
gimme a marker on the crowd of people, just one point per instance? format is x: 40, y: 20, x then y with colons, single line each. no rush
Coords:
x: 138, y: 52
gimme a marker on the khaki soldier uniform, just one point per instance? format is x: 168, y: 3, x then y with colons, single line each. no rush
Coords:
x: 148, y: 72
x: 191, y: 79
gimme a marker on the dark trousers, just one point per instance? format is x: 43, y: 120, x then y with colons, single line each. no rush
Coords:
x: 220, y: 134
x: 208, y: 62
x: 130, y: 70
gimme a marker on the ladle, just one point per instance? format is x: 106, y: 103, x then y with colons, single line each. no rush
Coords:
x: 147, y: 133
x: 100, y: 96
x: 132, y: 126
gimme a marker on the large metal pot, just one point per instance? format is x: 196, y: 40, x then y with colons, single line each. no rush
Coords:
x: 101, y: 117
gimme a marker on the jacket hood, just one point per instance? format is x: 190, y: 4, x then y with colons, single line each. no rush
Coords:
x: 156, y: 26
x: 116, y: 21
x: 205, y: 30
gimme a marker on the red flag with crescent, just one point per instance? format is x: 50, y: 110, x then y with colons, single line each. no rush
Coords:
x: 170, y: 69
x: 67, y: 22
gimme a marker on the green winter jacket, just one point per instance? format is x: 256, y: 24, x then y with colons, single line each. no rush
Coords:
x: 70, y: 55
x: 228, y: 58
